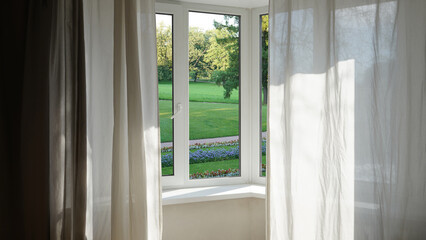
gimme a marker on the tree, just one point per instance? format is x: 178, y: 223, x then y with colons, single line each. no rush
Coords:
x: 198, y: 47
x: 229, y: 77
x: 265, y: 39
x: 164, y: 53
x: 217, y: 55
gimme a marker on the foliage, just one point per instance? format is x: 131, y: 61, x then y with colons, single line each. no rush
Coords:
x: 265, y: 44
x: 164, y: 52
x: 214, y: 53
x: 165, y: 73
x: 217, y: 54
x: 229, y: 77
x: 198, y: 46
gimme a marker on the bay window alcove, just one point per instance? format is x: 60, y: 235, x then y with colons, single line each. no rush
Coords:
x: 209, y: 73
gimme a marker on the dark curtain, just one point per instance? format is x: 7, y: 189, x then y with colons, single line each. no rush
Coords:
x: 42, y: 121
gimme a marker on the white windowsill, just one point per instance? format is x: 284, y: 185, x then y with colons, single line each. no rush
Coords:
x: 203, y: 194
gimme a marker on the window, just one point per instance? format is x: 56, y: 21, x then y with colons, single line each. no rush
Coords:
x: 214, y: 83
x: 204, y: 82
x: 264, y: 38
x: 165, y: 89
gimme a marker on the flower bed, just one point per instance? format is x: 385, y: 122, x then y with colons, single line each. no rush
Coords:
x: 205, y: 145
x: 219, y: 173
x: 203, y: 155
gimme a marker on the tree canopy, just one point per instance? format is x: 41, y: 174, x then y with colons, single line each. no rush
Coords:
x: 213, y: 54
x: 199, y: 44
x: 265, y: 43
x: 229, y: 40
x: 164, y: 52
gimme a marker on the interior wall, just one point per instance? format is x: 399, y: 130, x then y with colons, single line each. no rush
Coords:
x: 225, y: 219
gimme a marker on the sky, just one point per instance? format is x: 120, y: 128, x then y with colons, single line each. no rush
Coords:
x: 201, y: 20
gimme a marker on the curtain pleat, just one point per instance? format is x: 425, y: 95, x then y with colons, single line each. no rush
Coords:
x: 67, y: 89
x: 124, y: 189
x: 71, y: 181
x: 46, y: 180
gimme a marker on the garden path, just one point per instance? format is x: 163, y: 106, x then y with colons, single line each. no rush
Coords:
x: 210, y: 140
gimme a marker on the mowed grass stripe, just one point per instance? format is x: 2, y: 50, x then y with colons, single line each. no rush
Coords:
x: 206, y: 120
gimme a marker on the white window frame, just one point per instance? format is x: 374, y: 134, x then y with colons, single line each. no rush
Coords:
x: 178, y: 71
x: 249, y: 95
x: 256, y: 65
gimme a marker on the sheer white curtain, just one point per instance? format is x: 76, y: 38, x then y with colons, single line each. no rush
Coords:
x: 124, y: 190
x: 347, y: 114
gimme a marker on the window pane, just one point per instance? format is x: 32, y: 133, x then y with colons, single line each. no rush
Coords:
x: 214, y: 82
x: 165, y: 89
x: 264, y: 90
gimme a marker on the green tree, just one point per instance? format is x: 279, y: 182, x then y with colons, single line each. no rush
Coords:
x: 265, y: 39
x: 229, y: 77
x: 164, y: 52
x: 198, y: 46
x: 217, y: 55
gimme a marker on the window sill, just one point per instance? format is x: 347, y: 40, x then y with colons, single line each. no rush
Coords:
x: 204, y: 194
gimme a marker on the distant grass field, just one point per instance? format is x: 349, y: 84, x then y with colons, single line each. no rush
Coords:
x: 206, y: 120
x: 199, y: 92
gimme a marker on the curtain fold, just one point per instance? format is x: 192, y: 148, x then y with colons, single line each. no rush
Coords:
x: 67, y: 120
x: 81, y: 127
x: 346, y: 157
x: 124, y: 194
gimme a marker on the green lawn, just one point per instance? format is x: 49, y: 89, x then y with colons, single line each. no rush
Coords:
x: 210, y: 116
x: 207, y: 120
x: 214, y: 166
x: 199, y: 92
x: 167, y: 171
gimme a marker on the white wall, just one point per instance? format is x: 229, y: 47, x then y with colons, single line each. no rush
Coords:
x: 236, y: 219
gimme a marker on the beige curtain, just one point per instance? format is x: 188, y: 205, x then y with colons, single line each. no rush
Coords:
x: 67, y: 122
x: 44, y: 165
x: 347, y: 114
x: 124, y: 195
x: 82, y: 137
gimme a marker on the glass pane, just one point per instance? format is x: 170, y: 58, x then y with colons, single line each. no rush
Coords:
x: 214, y: 81
x: 165, y: 89
x: 264, y: 19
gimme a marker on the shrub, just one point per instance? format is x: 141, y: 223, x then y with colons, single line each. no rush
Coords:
x: 164, y: 73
